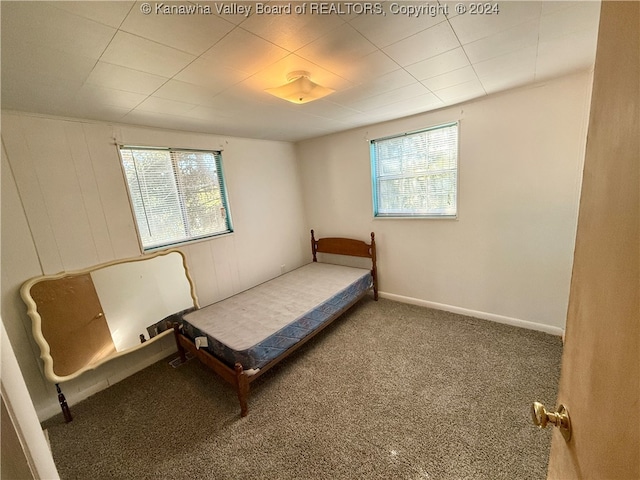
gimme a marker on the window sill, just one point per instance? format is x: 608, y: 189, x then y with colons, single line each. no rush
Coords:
x: 186, y: 242
x: 415, y: 217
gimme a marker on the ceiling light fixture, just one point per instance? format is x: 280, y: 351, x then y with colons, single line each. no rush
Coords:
x: 300, y: 88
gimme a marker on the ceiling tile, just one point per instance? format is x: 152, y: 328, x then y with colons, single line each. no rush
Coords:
x: 98, y: 111
x: 243, y: 51
x: 443, y: 63
x: 551, y: 6
x: 106, y: 12
x: 206, y: 113
x: 470, y: 28
x: 507, y: 79
x: 292, y: 31
x: 389, y: 97
x: 245, y: 96
x: 370, y: 66
x: 336, y: 52
x: 141, y: 54
x: 98, y: 95
x: 240, y: 102
x: 578, y: 17
x: 423, y: 45
x: 33, y: 60
x: 450, y: 79
x: 231, y: 12
x: 186, y: 92
x: 411, y: 106
x: 39, y: 23
x: 207, y: 73
x: 461, y: 92
x: 162, y: 120
x: 376, y: 85
x: 190, y: 33
x: 381, y: 32
x: 162, y: 105
x: 38, y: 94
x: 521, y: 59
x: 327, y: 109
x: 122, y: 78
x: 501, y: 43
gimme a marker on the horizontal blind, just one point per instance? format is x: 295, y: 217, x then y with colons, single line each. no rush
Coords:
x: 176, y: 195
x: 415, y: 174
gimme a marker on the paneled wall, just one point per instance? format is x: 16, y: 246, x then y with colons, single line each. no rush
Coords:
x: 508, y: 255
x: 65, y: 207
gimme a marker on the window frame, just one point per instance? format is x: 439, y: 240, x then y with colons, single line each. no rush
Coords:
x: 222, y: 186
x: 375, y: 177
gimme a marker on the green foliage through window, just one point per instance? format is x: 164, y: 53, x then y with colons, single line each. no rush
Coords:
x: 416, y: 174
x: 176, y: 195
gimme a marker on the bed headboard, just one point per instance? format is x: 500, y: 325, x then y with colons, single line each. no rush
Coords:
x: 350, y: 247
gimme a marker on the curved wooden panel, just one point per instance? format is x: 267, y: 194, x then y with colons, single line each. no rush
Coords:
x: 85, y: 318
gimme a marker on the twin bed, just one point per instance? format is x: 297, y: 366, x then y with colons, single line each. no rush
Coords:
x: 242, y: 337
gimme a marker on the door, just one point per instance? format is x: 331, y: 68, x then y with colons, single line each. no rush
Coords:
x: 600, y: 364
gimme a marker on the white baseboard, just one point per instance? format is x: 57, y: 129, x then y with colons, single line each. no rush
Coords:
x: 72, y: 398
x: 516, y: 322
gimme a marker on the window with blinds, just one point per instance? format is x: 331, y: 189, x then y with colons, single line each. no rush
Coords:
x: 176, y: 195
x: 416, y: 174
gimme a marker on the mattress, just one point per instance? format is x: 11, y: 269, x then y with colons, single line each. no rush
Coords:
x: 257, y: 325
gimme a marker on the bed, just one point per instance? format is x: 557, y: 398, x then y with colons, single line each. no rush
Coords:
x: 244, y: 336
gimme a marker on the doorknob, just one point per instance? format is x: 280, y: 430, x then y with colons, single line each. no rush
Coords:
x: 559, y: 419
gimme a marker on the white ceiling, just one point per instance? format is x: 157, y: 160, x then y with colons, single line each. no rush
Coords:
x: 207, y: 72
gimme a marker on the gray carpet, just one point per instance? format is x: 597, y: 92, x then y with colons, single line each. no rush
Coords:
x: 390, y: 391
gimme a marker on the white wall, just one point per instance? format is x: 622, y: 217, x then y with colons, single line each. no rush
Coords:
x: 65, y: 207
x: 508, y: 256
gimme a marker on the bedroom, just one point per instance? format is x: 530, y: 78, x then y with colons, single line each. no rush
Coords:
x: 508, y: 257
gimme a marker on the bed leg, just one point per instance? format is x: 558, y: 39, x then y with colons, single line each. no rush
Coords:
x: 63, y: 405
x: 242, y: 386
x: 181, y: 352
x: 374, y: 267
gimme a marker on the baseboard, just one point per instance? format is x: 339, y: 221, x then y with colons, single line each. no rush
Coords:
x: 75, y: 397
x: 516, y: 322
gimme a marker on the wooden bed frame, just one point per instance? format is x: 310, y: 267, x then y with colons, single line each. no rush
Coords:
x: 236, y: 376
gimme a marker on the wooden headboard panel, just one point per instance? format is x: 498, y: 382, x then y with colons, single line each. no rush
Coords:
x: 350, y: 247
x: 343, y: 246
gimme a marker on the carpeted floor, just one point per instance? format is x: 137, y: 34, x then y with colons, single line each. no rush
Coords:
x: 390, y: 391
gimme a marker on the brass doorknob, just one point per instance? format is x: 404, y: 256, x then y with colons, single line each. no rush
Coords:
x: 559, y: 419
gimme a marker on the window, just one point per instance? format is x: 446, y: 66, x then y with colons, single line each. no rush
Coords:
x: 176, y: 195
x: 416, y: 174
